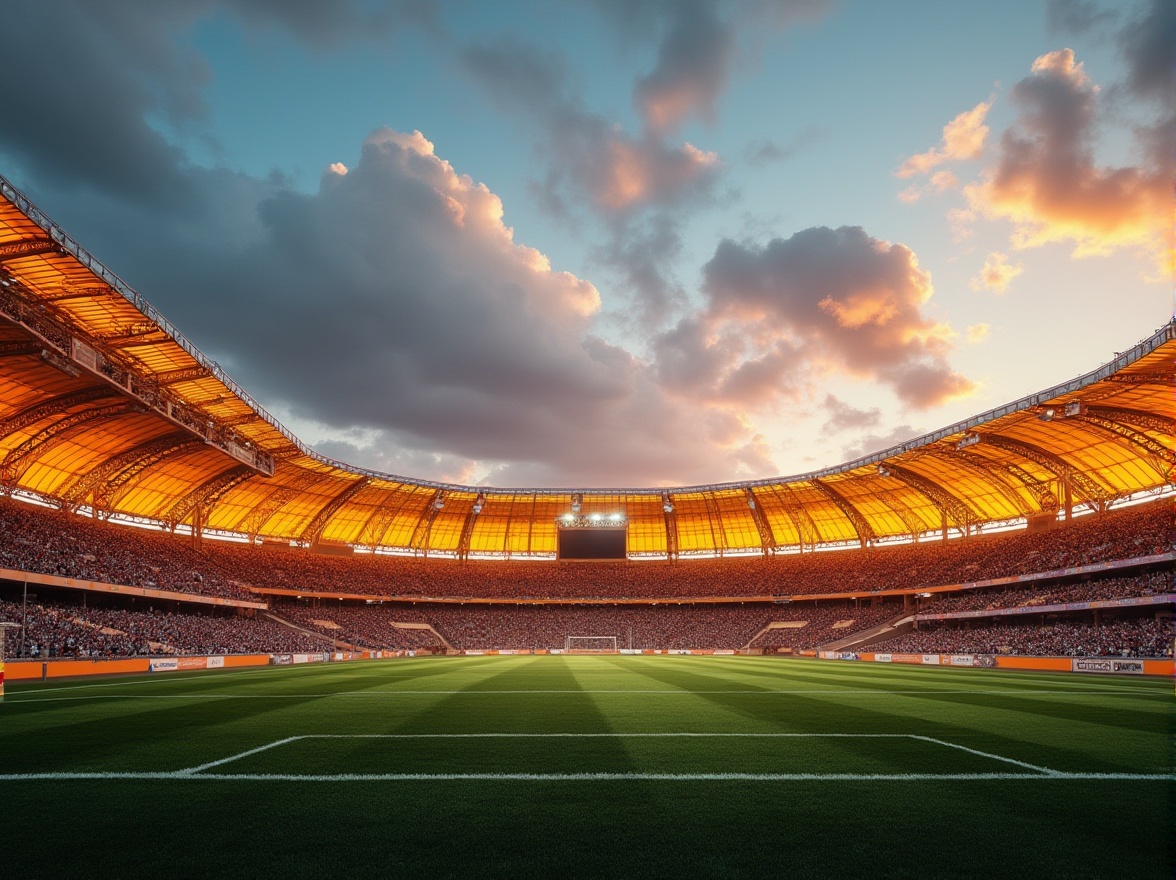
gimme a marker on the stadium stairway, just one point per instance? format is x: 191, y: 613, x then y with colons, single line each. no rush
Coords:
x: 335, y: 643
x: 424, y: 627
x: 857, y: 641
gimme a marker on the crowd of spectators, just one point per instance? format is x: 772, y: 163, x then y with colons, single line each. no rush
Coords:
x: 41, y: 540
x: 37, y: 539
x: 1123, y: 534
x: 534, y: 627
x: 1140, y: 585
x: 1138, y: 637
x: 75, y: 631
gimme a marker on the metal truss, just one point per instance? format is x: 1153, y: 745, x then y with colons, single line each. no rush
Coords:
x: 53, y: 406
x: 252, y: 524
x: 1157, y: 455
x: 27, y: 247
x: 18, y: 459
x: 864, y: 530
x: 420, y: 534
x: 950, y: 506
x: 312, y: 532
x: 107, y: 479
x: 992, y: 473
x: 767, y: 539
x: 205, y: 496
x: 382, y: 517
x: 20, y: 348
x: 1086, y: 485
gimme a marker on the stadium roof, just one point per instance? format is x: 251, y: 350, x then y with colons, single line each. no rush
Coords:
x: 104, y: 404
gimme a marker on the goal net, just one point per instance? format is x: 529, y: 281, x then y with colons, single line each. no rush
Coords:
x: 591, y: 645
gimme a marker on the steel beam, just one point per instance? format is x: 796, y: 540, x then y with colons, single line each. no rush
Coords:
x: 105, y: 480
x: 312, y: 532
x: 951, y: 506
x: 53, y: 406
x: 865, y: 531
x: 15, y: 462
x: 206, y: 495
x: 1078, y: 479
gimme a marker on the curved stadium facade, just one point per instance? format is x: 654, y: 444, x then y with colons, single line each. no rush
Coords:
x: 105, y: 405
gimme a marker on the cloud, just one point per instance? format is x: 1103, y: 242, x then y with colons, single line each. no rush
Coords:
x: 822, y: 301
x: 393, y: 309
x: 963, y: 138
x: 693, y: 65
x: 699, y: 43
x: 871, y: 443
x: 1148, y: 45
x: 766, y: 151
x: 843, y: 417
x: 91, y: 90
x: 1077, y: 16
x: 589, y: 159
x: 996, y: 274
x: 977, y: 333
x: 1046, y: 183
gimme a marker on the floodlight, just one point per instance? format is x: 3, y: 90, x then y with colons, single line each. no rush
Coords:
x: 1074, y: 408
x: 577, y: 503
x: 883, y: 471
x: 1046, y: 414
x: 595, y: 517
x: 439, y: 501
x: 567, y: 517
x: 968, y: 440
x: 616, y: 517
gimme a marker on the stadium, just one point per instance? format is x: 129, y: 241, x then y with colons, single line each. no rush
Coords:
x: 922, y: 633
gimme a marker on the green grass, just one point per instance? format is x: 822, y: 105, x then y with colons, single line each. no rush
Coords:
x: 463, y: 767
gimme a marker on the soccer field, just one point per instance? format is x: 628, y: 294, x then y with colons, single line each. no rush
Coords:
x: 596, y: 766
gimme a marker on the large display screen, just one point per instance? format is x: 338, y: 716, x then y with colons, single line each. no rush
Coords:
x: 593, y: 543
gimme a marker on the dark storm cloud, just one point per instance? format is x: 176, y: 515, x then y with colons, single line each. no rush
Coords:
x: 82, y: 84
x: 79, y: 85
x: 822, y: 300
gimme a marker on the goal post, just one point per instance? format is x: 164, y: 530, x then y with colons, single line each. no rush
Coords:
x: 591, y: 645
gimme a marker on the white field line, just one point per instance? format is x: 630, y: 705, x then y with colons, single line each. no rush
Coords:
x: 611, y: 735
x: 588, y: 777
x: 281, y: 742
x: 412, y: 692
x: 1046, y: 770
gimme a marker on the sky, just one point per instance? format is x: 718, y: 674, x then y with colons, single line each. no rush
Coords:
x: 613, y: 242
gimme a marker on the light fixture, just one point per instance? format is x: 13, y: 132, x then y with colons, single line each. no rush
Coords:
x: 968, y: 440
x: 883, y: 471
x: 1074, y: 408
x: 479, y: 503
x: 1046, y: 415
x: 577, y: 503
x: 667, y: 504
x: 595, y: 517
x: 439, y: 501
